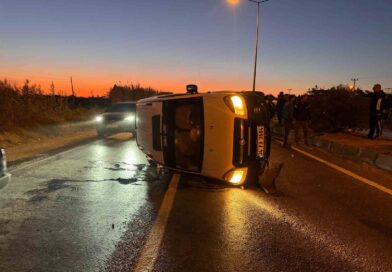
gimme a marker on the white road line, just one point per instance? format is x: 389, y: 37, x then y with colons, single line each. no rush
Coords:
x: 151, y: 248
x: 345, y: 171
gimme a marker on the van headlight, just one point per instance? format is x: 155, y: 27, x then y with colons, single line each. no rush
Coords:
x: 130, y: 118
x: 236, y: 176
x: 236, y: 104
x: 99, y: 119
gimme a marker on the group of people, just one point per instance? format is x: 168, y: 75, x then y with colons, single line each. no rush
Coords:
x: 294, y: 112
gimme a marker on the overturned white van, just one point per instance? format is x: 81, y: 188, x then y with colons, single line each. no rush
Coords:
x: 221, y: 135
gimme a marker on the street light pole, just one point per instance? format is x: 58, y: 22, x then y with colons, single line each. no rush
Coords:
x: 258, y: 2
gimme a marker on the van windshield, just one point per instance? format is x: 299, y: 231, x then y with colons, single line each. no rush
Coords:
x: 123, y: 107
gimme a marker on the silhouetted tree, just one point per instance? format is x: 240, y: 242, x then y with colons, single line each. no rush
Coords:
x: 131, y: 92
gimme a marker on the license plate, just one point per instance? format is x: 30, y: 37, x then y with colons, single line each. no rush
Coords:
x: 260, y: 141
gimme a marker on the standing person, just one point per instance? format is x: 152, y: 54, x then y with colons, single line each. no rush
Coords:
x: 287, y: 117
x: 376, y: 108
x: 280, y: 106
x: 301, y: 117
x: 271, y: 106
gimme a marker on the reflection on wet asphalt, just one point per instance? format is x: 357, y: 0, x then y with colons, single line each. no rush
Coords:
x: 67, y: 213
x: 92, y: 208
x: 314, y: 223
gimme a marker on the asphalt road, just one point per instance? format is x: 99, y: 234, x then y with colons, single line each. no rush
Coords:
x: 99, y: 207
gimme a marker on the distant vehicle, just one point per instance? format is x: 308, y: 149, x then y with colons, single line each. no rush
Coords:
x: 120, y: 117
x: 4, y: 176
x: 222, y: 135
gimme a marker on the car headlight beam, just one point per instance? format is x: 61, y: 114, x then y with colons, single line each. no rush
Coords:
x: 99, y: 119
x: 130, y: 118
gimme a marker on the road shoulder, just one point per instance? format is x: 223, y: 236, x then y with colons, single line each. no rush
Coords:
x: 46, y: 146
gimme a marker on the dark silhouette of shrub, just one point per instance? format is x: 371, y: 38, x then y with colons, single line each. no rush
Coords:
x: 132, y: 92
x: 337, y: 109
x: 27, y: 106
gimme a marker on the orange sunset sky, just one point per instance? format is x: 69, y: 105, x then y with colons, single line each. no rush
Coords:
x: 98, y: 84
x: 169, y: 44
x: 99, y: 80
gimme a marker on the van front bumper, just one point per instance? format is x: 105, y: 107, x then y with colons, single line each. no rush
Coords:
x: 121, y: 126
x: 4, y: 180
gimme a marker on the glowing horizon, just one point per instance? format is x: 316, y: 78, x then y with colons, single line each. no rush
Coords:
x: 169, y: 44
x: 88, y: 88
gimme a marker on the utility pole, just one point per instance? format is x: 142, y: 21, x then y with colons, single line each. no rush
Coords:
x: 355, y: 81
x: 73, y: 94
x: 72, y: 88
x: 289, y: 90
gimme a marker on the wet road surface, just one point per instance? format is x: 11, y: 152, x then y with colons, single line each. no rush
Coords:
x: 93, y: 208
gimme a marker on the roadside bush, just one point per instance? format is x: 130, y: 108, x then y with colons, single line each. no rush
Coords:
x: 337, y: 109
x: 27, y: 107
x: 131, y: 93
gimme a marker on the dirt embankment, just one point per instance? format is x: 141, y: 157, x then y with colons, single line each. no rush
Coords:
x: 23, y: 144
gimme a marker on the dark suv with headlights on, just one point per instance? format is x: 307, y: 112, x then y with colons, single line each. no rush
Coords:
x: 4, y: 176
x: 120, y: 117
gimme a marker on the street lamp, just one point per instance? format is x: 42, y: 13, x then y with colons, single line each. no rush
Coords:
x: 233, y: 2
x: 258, y: 2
